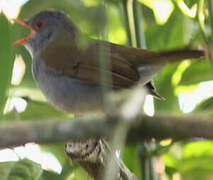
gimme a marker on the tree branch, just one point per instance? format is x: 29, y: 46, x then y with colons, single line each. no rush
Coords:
x: 93, y: 154
x: 159, y: 127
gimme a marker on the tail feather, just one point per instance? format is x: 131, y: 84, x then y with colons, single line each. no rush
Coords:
x: 169, y: 56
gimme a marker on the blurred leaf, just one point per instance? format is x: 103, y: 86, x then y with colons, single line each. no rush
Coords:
x: 20, y: 50
x: 58, y: 150
x: 49, y: 175
x: 20, y: 170
x: 89, y: 18
x: 205, y: 105
x: 177, y: 76
x: 165, y: 89
x: 162, y: 9
x: 171, y: 164
x: 131, y: 159
x: 35, y: 111
x: 89, y: 3
x: 193, y: 73
x: 198, y: 149
x: 200, y: 165
x: 25, y: 90
x: 197, y: 174
x: 190, y: 3
x: 194, y: 161
x: 170, y: 161
x: 175, y: 33
x: 116, y: 31
x: 79, y: 174
x: 186, y: 10
x: 6, y: 58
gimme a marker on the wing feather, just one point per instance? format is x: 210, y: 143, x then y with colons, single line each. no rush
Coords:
x: 84, y: 64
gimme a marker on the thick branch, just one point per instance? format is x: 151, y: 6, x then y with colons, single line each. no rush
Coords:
x: 93, y: 156
x: 89, y: 127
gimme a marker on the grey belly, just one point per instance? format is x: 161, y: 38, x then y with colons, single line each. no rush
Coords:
x: 72, y: 95
x: 68, y: 94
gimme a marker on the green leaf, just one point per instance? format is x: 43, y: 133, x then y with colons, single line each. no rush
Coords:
x: 170, y: 160
x: 190, y: 3
x: 20, y: 170
x: 198, y: 149
x: 175, y: 33
x: 117, y: 33
x: 196, y: 167
x: 205, y: 105
x: 192, y: 74
x: 90, y: 18
x: 49, y: 175
x: 58, y: 150
x: 79, y: 174
x: 36, y: 110
x: 162, y: 9
x: 171, y: 163
x: 6, y: 58
x: 131, y: 159
x: 166, y: 89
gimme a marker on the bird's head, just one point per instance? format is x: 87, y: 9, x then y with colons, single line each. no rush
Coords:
x: 45, y: 27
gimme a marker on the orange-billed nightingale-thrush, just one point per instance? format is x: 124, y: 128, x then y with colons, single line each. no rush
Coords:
x: 69, y: 75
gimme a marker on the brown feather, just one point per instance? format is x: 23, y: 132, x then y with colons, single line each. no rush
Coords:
x: 83, y: 63
x: 139, y: 57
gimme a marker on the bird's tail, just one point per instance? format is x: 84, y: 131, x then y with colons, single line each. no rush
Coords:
x: 178, y: 55
x: 171, y: 56
x: 153, y: 62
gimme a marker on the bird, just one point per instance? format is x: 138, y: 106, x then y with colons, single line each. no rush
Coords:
x: 69, y: 75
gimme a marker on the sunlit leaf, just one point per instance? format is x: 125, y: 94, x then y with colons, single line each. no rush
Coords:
x: 20, y: 170
x: 35, y: 110
x: 205, y: 105
x: 6, y: 58
x: 130, y: 157
x: 192, y: 74
x: 191, y: 2
x: 190, y: 12
x: 92, y: 18
x: 49, y: 175
x: 116, y: 31
x: 198, y: 149
x: 58, y: 150
x: 162, y: 9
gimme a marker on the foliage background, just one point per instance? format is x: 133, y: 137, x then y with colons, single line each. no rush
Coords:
x: 167, y: 24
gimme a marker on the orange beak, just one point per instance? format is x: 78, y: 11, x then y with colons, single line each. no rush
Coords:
x: 24, y: 40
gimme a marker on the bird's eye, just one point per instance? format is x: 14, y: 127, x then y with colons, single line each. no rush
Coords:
x: 39, y: 24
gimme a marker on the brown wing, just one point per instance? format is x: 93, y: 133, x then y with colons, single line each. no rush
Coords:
x: 84, y: 63
x: 139, y: 57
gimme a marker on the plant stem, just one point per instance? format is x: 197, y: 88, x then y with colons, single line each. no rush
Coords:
x: 139, y: 29
x: 125, y: 20
x: 132, y: 17
x: 210, y: 8
x: 200, y: 17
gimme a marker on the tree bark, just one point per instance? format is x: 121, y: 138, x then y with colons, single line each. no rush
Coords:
x: 93, y: 155
x: 159, y: 127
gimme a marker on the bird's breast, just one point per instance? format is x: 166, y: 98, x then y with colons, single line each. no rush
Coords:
x: 66, y: 93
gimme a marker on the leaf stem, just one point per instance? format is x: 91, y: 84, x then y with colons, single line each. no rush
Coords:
x: 210, y: 8
x: 200, y: 17
x: 132, y: 17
